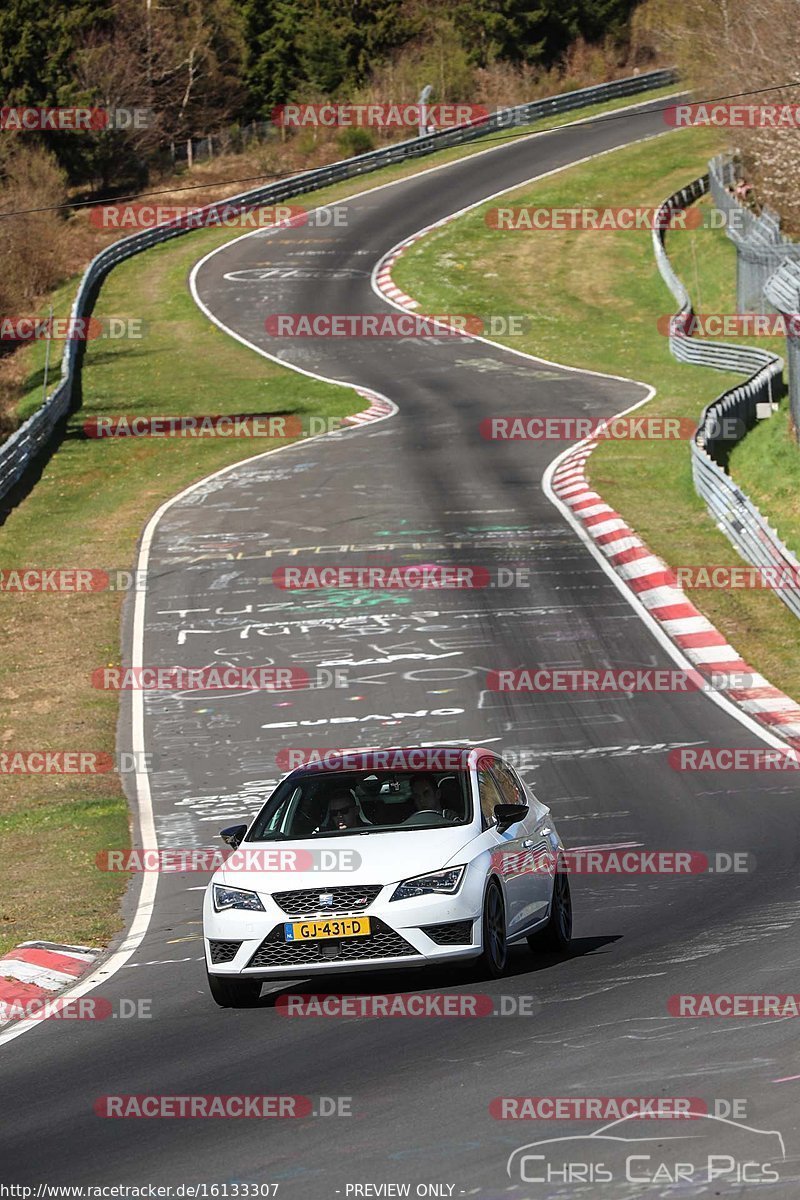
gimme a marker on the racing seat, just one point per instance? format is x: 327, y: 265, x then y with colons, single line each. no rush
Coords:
x: 368, y: 798
x: 451, y: 798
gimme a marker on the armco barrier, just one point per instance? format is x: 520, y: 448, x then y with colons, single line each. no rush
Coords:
x: 733, y: 511
x: 35, y: 433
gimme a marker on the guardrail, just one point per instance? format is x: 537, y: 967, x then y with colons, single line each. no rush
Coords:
x: 35, y: 433
x: 733, y: 511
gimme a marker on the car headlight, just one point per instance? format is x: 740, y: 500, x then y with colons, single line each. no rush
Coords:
x: 445, y: 883
x: 227, y: 897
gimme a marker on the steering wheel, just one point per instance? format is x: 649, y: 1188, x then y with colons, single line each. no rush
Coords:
x: 426, y: 814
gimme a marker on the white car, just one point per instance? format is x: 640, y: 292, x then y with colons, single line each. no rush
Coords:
x: 385, y: 858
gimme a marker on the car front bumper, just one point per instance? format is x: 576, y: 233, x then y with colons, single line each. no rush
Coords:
x: 404, y: 933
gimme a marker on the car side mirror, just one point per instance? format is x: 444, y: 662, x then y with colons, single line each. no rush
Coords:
x: 508, y: 814
x: 233, y: 835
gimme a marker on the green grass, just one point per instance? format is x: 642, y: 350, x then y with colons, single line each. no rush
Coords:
x: 594, y: 299
x: 767, y: 466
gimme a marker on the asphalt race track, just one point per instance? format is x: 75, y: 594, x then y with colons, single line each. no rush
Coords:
x: 423, y: 486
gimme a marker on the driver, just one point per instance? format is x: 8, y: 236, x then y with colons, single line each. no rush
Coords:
x: 343, y: 812
x: 425, y: 795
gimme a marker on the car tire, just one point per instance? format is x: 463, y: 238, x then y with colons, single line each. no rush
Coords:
x: 234, y: 993
x: 557, y: 933
x: 494, y: 956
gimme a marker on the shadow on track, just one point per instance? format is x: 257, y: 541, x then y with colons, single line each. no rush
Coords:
x: 522, y: 962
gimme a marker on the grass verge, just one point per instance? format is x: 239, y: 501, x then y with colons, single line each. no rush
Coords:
x: 766, y: 465
x: 594, y: 299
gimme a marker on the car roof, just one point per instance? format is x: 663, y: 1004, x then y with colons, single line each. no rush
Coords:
x: 441, y: 757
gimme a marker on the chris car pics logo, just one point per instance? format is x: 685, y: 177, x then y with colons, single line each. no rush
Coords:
x: 712, y: 1153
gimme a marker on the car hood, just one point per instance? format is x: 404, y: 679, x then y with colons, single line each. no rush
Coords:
x: 376, y: 858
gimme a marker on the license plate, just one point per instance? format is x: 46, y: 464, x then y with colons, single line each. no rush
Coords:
x: 307, y: 931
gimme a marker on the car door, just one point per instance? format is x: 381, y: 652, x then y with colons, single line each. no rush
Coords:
x: 509, y: 852
x: 533, y: 883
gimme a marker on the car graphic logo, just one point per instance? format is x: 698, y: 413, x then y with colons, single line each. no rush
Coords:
x: 325, y: 899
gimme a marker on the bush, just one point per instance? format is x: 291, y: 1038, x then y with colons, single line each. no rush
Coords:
x: 355, y: 141
x: 32, y: 258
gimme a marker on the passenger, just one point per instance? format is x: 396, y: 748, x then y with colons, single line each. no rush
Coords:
x: 425, y: 795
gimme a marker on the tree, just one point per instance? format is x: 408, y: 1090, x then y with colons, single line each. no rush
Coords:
x: 318, y: 46
x: 272, y: 60
x: 37, y: 41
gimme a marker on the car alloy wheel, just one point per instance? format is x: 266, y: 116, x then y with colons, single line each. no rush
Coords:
x: 557, y: 933
x: 495, y: 946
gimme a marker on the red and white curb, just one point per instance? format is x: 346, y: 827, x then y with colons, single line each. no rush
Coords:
x: 654, y: 584
x: 379, y: 408
x: 383, y: 276
x: 33, y: 971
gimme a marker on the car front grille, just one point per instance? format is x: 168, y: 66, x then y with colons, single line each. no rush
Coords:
x: 306, y: 903
x: 222, y: 952
x: 453, y: 933
x: 382, y: 942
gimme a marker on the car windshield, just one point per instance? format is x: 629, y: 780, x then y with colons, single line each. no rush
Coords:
x: 336, y: 804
